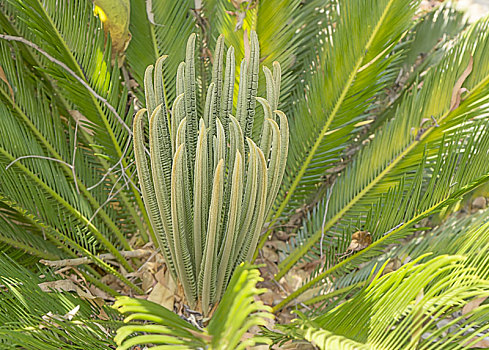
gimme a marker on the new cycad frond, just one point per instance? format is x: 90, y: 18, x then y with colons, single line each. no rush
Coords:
x: 236, y: 314
x: 207, y: 185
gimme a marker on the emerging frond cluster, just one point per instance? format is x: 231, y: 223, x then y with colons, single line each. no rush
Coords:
x: 207, y: 185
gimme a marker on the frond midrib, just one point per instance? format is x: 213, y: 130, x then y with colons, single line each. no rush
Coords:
x: 68, y: 207
x: 69, y: 173
x: 51, y: 233
x: 90, y: 142
x: 378, y: 242
x: 105, y: 122
x: 323, y: 131
x: 291, y: 259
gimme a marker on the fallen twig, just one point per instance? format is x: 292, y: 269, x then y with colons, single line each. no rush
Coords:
x: 138, y: 253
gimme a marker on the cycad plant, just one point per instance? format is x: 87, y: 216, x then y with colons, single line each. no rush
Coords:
x: 387, y: 105
x: 207, y: 185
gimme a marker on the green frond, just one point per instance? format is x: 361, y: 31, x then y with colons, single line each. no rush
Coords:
x: 25, y: 235
x: 399, y: 216
x: 430, y: 34
x: 324, y: 339
x: 350, y: 75
x: 423, y: 46
x: 383, y: 163
x: 159, y: 28
x: 33, y: 319
x: 238, y: 311
x: 55, y: 178
x: 409, y: 309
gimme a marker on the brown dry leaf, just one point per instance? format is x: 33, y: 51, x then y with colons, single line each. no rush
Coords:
x: 59, y: 286
x: 456, y: 92
x: 163, y: 276
x: 65, y: 286
x: 482, y: 344
x: 237, y: 3
x: 296, y: 277
x: 82, y: 121
x: 269, y: 297
x: 149, y: 12
x: 148, y: 281
x: 163, y: 296
x: 270, y: 254
x: 285, y: 317
x: 111, y: 281
x: 165, y: 289
x: 282, y: 235
x: 99, y: 303
x: 97, y: 292
x: 3, y: 77
x: 479, y: 203
x: 360, y: 240
x: 247, y: 47
x: 115, y: 15
x: 392, y: 266
x: 471, y: 305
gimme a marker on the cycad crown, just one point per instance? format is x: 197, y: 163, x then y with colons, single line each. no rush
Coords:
x: 207, y: 186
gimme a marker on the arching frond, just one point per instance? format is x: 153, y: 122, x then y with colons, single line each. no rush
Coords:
x: 159, y: 28
x: 33, y: 319
x: 383, y: 163
x: 235, y: 315
x: 57, y: 178
x: 350, y: 71
x: 414, y: 307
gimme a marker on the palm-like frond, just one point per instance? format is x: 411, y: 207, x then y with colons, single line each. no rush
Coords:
x: 457, y: 240
x: 57, y: 178
x: 235, y: 315
x: 159, y: 28
x: 388, y: 314
x: 422, y: 47
x: 25, y: 236
x: 448, y: 238
x: 350, y: 75
x: 33, y: 319
x: 383, y: 163
x: 416, y: 205
x: 430, y: 33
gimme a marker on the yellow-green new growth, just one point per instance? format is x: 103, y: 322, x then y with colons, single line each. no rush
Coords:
x: 207, y: 186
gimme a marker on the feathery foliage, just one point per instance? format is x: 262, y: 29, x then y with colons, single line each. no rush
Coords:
x: 387, y: 314
x: 424, y: 304
x: 33, y: 319
x: 379, y: 167
x: 235, y: 315
x: 387, y: 108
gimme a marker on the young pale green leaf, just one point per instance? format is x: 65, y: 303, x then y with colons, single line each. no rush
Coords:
x: 209, y: 265
x: 225, y: 264
x: 201, y: 198
x: 183, y: 260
